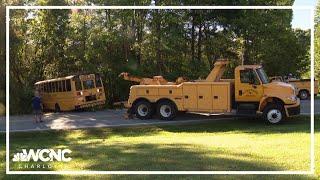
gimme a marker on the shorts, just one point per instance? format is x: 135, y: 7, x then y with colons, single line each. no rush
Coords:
x: 37, y: 112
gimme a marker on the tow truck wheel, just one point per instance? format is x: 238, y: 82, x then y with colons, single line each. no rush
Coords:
x: 273, y: 113
x: 143, y: 109
x: 166, y: 110
x: 303, y: 94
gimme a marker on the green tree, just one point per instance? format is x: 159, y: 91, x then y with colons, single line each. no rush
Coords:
x: 51, y: 43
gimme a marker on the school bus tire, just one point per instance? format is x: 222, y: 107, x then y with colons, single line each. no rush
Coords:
x: 57, y: 108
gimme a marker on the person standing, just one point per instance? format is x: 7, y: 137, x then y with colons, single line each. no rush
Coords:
x: 37, y: 107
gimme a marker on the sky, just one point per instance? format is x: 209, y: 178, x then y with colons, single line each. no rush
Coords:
x: 301, y: 18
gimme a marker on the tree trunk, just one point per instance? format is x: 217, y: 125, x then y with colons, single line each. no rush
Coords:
x: 200, y: 41
x: 245, y: 59
x: 192, y: 36
x: 139, y: 31
x: 158, y: 44
x: 84, y: 37
x: 158, y: 39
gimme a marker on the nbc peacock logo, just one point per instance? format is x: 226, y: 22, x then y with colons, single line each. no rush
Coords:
x: 42, y: 155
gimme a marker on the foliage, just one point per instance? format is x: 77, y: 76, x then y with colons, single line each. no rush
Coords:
x: 51, y: 43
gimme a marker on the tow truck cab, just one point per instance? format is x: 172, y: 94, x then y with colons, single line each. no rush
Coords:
x: 254, y: 90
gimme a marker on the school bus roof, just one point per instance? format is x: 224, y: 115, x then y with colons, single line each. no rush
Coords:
x: 56, y: 79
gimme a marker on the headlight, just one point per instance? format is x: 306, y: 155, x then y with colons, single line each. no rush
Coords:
x: 293, y: 98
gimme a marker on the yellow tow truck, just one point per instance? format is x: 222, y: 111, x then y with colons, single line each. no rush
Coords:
x: 249, y: 93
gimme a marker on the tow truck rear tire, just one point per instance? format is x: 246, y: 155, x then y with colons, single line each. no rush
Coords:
x: 166, y: 110
x: 303, y: 94
x: 273, y: 113
x: 143, y: 109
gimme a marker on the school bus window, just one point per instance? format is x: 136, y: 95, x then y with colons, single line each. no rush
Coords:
x: 50, y: 87
x: 78, y: 84
x: 53, y: 87
x: 63, y: 85
x: 98, y: 81
x: 56, y: 86
x: 60, y: 85
x: 68, y: 85
x: 88, y: 84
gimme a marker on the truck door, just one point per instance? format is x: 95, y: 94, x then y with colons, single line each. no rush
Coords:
x: 190, y: 100
x: 204, y: 97
x: 248, y: 86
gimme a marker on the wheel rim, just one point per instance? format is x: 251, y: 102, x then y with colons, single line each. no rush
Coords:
x: 165, y: 111
x: 274, y: 116
x: 143, y: 110
x: 303, y: 95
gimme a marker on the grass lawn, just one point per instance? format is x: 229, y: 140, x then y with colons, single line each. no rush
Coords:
x: 243, y: 144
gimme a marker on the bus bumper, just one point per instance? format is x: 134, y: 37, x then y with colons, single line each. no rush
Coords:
x: 293, y: 109
x: 96, y: 103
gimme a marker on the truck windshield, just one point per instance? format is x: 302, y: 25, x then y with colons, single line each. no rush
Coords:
x: 263, y: 76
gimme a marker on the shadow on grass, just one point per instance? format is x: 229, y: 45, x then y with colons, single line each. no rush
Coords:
x: 299, y: 124
x: 153, y: 157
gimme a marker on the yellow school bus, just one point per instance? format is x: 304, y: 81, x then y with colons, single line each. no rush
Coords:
x: 71, y: 92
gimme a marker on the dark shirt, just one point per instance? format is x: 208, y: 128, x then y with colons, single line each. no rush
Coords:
x: 36, y: 103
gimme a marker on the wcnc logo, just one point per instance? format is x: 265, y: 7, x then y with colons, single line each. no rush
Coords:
x: 43, y: 155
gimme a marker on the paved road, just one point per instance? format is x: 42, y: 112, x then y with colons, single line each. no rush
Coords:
x: 305, y: 106
x: 109, y: 118
x: 80, y: 120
